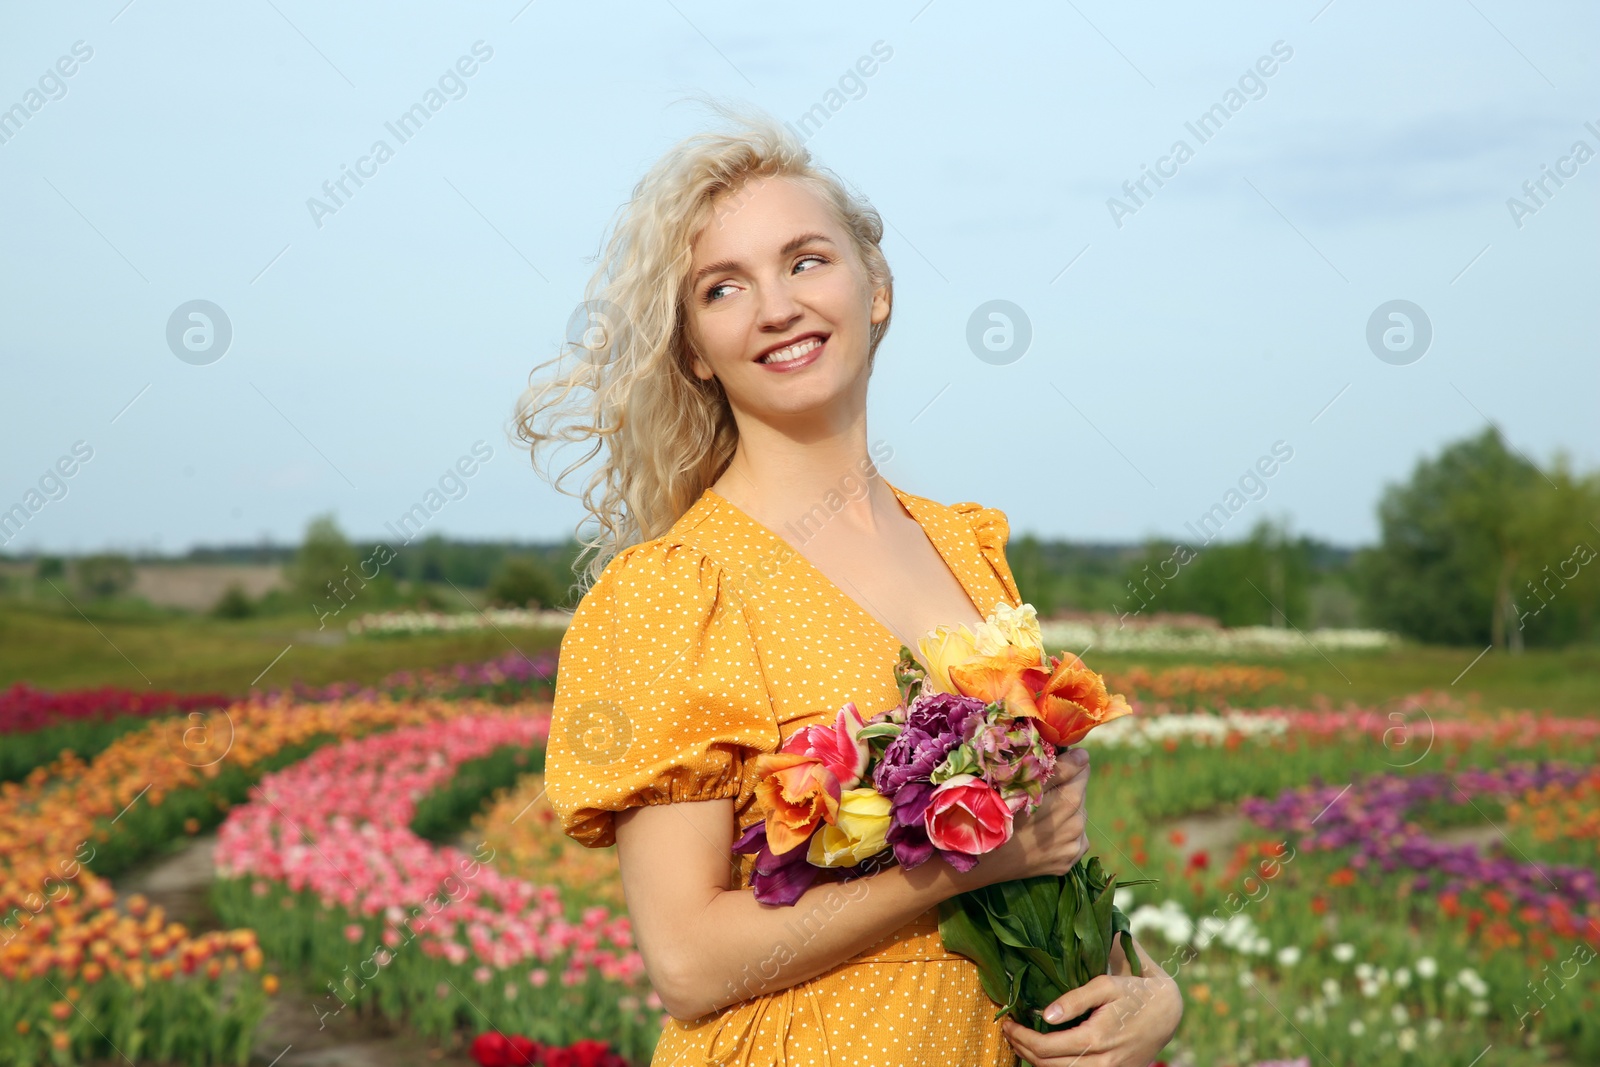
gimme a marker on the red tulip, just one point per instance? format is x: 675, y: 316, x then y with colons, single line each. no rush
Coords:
x: 966, y: 814
x: 491, y: 1049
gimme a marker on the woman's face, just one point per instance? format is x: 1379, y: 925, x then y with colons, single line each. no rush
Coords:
x: 774, y: 269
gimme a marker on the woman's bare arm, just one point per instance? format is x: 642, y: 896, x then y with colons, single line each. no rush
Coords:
x: 707, y: 944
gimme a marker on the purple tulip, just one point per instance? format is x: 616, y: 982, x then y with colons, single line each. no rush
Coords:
x: 779, y: 879
x: 1370, y: 818
x: 935, y: 723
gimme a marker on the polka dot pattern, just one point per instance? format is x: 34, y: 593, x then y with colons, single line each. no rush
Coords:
x: 716, y: 641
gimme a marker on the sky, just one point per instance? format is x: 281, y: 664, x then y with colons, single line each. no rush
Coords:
x: 1341, y: 262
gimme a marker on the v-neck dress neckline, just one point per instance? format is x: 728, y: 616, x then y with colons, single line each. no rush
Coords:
x: 957, y: 569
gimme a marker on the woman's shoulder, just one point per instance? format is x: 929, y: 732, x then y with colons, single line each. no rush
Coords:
x: 680, y: 567
x: 988, y: 524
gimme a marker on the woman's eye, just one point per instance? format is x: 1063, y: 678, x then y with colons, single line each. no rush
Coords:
x: 710, y: 294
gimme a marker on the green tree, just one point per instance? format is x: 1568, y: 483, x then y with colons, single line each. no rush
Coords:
x: 1555, y: 595
x: 326, y: 571
x: 1026, y: 567
x: 523, y: 582
x: 1263, y: 580
x: 234, y: 603
x: 1461, y: 541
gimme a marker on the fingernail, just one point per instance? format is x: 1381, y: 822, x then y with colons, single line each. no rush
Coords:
x: 1054, y: 1013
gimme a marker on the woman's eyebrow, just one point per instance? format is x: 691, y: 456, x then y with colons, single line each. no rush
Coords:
x: 729, y: 266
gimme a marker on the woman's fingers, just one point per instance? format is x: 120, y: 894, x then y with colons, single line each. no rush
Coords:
x: 1068, y: 769
x: 1098, y: 1033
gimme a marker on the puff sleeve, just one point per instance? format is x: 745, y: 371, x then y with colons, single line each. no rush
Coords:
x: 992, y: 530
x: 660, y: 695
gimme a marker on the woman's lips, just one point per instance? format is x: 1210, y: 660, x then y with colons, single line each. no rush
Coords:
x: 795, y: 364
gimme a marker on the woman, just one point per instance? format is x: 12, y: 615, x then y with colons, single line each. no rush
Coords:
x: 738, y: 313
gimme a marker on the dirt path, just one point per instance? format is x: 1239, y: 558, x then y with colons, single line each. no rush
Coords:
x: 290, y: 1035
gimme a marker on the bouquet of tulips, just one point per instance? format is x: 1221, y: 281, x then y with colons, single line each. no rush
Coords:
x: 948, y: 772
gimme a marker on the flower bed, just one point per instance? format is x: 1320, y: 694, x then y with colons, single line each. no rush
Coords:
x: 1142, y: 733
x: 139, y: 977
x: 1190, y: 687
x: 526, y: 836
x: 1248, y: 996
x: 506, y: 679
x: 38, y: 725
x: 405, y: 623
x: 1420, y: 726
x: 1459, y: 944
x: 1370, y: 817
x: 1561, y: 820
x: 1210, y: 641
x: 322, y: 862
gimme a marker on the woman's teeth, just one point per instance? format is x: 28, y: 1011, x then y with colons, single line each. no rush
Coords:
x: 795, y: 351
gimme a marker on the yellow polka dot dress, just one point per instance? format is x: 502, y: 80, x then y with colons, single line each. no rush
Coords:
x: 716, y: 641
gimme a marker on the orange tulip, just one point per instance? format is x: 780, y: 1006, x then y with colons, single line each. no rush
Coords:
x: 798, y: 794
x: 1066, y: 701
x: 999, y: 679
x: 1073, y: 701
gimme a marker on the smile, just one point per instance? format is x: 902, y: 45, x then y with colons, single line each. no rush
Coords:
x: 799, y: 354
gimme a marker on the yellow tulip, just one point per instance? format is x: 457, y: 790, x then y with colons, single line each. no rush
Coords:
x: 1005, y: 628
x: 1014, y: 627
x: 861, y: 829
x: 944, y: 647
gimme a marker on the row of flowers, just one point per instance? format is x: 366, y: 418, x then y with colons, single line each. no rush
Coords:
x: 38, y: 725
x: 1418, y: 726
x: 392, y: 623
x: 1211, y: 641
x: 1143, y: 732
x: 64, y: 937
x: 1320, y: 954
x: 322, y: 862
x: 1371, y: 817
x: 1188, y: 686
x: 1104, y: 636
x: 1413, y: 730
x: 525, y: 833
x: 24, y: 708
x: 505, y: 679
x: 1560, y: 819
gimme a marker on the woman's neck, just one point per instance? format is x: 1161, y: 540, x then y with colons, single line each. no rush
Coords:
x: 779, y: 485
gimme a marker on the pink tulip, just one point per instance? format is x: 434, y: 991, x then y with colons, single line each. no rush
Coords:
x: 966, y: 814
x: 343, y: 815
x: 834, y: 746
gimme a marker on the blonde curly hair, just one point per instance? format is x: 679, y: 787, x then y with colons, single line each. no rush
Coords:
x: 667, y: 434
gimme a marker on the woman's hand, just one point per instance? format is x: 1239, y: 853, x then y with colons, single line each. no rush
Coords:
x: 1051, y: 838
x: 1133, y: 1020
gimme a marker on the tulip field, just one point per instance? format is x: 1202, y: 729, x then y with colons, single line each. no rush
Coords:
x: 1409, y: 882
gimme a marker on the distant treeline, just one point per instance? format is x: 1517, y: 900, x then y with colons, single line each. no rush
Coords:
x: 1479, y: 546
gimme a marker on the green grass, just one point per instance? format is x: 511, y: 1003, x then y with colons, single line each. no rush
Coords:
x: 189, y: 653
x: 194, y: 654
x: 1561, y: 681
